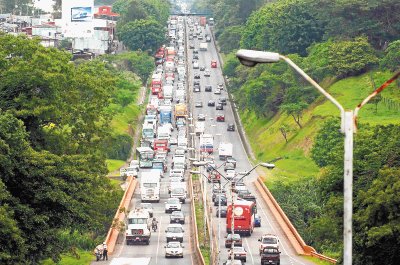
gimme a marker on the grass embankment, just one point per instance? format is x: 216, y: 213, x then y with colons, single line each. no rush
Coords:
x: 84, y: 258
x: 124, y: 122
x: 268, y: 143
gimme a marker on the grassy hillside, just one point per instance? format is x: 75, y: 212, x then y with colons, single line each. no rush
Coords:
x: 268, y: 143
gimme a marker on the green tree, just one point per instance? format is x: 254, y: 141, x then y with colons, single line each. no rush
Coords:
x: 376, y: 19
x: 142, y: 35
x: 391, y: 60
x: 229, y: 39
x: 377, y: 220
x: 284, y: 26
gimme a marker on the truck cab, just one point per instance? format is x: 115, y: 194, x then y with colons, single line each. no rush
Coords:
x: 138, y: 227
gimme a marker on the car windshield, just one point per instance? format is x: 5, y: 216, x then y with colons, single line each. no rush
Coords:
x: 270, y: 240
x: 174, y: 245
x: 173, y: 201
x: 146, y: 206
x: 238, y: 249
x: 270, y: 251
x: 174, y: 229
x: 176, y: 214
x: 137, y: 221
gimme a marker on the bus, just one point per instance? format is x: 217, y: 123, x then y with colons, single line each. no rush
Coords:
x: 244, y: 213
x: 145, y: 156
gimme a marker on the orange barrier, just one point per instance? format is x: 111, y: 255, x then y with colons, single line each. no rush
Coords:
x: 322, y: 257
x: 294, y: 237
x: 113, y: 232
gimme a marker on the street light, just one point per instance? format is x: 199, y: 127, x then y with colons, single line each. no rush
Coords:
x: 347, y: 126
x: 244, y: 174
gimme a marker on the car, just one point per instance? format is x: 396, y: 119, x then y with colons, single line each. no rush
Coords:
x: 239, y: 253
x: 195, y: 51
x: 195, y: 65
x: 172, y: 204
x: 177, y: 217
x: 211, y: 103
x: 148, y: 207
x: 234, y: 262
x: 229, y: 166
x: 216, y: 191
x: 219, y: 107
x: 268, y: 240
x: 231, y: 160
x: 217, y: 91
x: 220, y: 117
x: 220, y: 198
x: 191, y: 46
x: 223, y: 101
x: 244, y: 194
x: 200, y: 37
x: 173, y: 141
x: 207, y: 73
x: 202, y: 68
x: 213, y: 64
x: 257, y: 220
x: 174, y: 232
x: 230, y: 174
x: 173, y: 249
x: 223, y: 212
x: 199, y: 104
x: 235, y: 239
x: 196, y: 76
x: 201, y: 117
x: 196, y: 88
x: 196, y: 82
x: 190, y: 37
x: 230, y: 127
x: 208, y: 88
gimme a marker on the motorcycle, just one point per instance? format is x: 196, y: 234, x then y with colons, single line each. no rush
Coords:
x: 154, y: 227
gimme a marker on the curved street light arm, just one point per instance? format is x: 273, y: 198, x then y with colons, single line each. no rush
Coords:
x: 376, y: 92
x: 317, y: 86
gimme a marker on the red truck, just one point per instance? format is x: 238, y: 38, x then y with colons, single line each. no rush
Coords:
x: 244, y: 212
x: 156, y: 86
x: 203, y: 21
x: 161, y: 145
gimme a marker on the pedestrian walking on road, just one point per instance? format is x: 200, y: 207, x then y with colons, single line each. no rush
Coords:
x: 105, y: 251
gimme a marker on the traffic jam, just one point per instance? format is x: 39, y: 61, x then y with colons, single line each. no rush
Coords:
x: 162, y: 165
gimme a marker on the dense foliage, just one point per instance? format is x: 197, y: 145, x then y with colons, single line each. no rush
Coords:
x: 142, y: 23
x: 53, y: 122
x: 330, y: 40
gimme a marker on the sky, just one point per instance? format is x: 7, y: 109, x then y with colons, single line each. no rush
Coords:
x: 46, y: 5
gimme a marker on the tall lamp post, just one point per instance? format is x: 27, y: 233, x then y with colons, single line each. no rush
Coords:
x: 348, y: 127
x: 244, y: 174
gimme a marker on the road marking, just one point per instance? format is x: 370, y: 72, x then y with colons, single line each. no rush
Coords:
x: 249, y: 250
x: 158, y: 240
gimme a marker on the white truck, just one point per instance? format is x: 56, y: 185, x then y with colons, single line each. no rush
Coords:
x: 179, y: 163
x: 178, y: 190
x: 167, y: 90
x: 199, y: 127
x: 163, y: 133
x: 225, y: 150
x: 203, y: 46
x: 150, y: 186
x: 138, y: 227
x: 180, y: 96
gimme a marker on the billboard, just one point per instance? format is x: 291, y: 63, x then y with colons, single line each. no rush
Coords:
x: 81, y: 14
x: 77, y: 17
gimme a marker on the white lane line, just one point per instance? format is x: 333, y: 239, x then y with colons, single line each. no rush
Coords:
x: 249, y: 250
x: 158, y: 240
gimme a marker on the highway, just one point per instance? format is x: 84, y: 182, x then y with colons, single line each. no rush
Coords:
x: 154, y: 253
x: 219, y: 130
